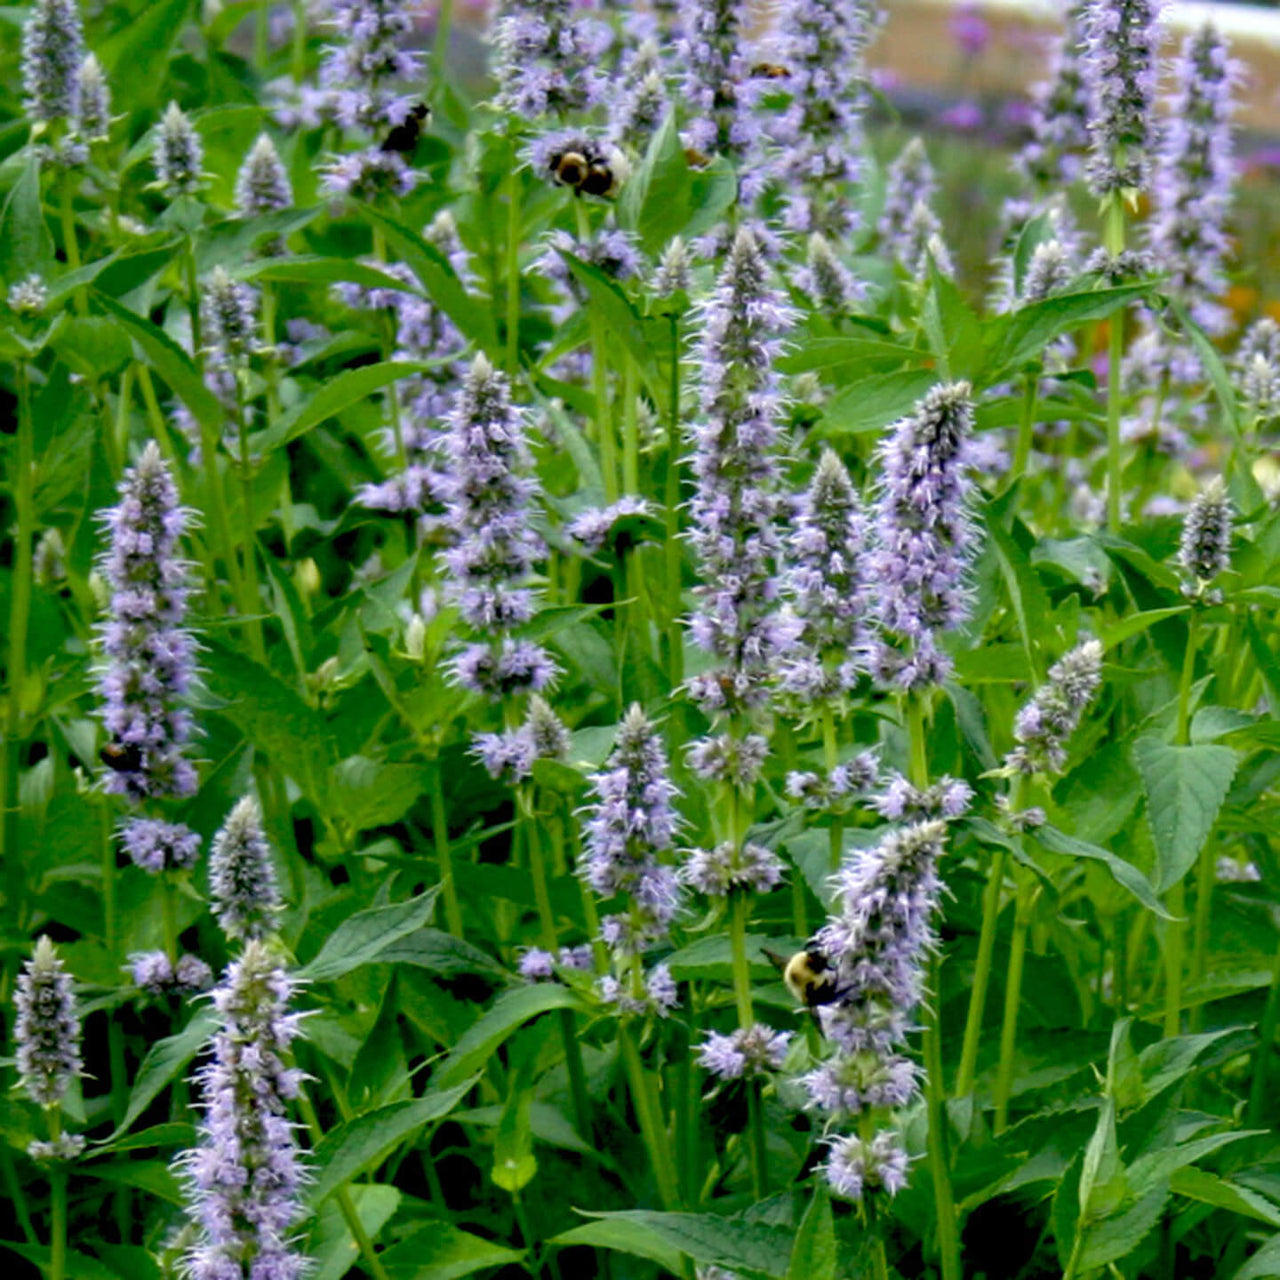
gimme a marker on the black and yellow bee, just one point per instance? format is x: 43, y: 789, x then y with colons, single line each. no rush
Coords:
x: 404, y: 137
x: 810, y: 977
x: 589, y: 168
x: 770, y: 71
x: 121, y: 757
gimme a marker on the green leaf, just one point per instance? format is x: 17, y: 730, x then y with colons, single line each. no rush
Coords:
x: 754, y: 1248
x: 136, y: 57
x: 473, y: 318
x: 873, y: 403
x: 1209, y: 1188
x: 332, y: 1249
x: 1219, y: 378
x: 1266, y: 1262
x: 1027, y: 595
x: 314, y: 270
x: 1159, y: 1166
x: 165, y: 1061
x: 1120, y: 1234
x: 813, y: 1257
x: 169, y: 361
x: 952, y: 327
x: 510, y: 1010
x: 1124, y: 873
x: 362, y: 938
x: 442, y: 953
x: 514, y: 1165
x: 438, y: 1251
x: 714, y: 191
x: 331, y: 398
x: 847, y: 358
x: 655, y: 200
x: 1185, y: 788
x: 1135, y: 624
x: 364, y: 1142
x: 1021, y: 336
x: 25, y: 242
x: 369, y: 793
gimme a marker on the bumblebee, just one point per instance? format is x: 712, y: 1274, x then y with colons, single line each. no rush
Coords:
x: 569, y: 169
x: 809, y: 976
x: 770, y: 71
x: 589, y: 169
x: 121, y: 757
x: 605, y: 177
x: 404, y: 137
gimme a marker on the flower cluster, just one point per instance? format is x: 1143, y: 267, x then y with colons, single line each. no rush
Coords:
x: 154, y: 973
x: 154, y: 845
x: 925, y: 540
x: 546, y: 55
x: 1191, y: 193
x: 538, y: 965
x: 244, y: 1180
x: 1045, y: 724
x: 827, y: 586
x: 52, y: 49
x: 512, y: 754
x: 901, y: 801
x: 1059, y: 112
x: 1257, y: 370
x: 737, y: 499
x: 822, y: 45
x: 908, y: 227
x: 178, y: 154
x: 242, y: 878
x: 837, y: 788
x: 229, y: 316
x: 150, y: 655
x: 718, y: 92
x: 876, y: 943
x: 262, y: 185
x: 362, y: 71
x: 47, y: 1028
x: 488, y: 490
x: 1121, y: 70
x: 745, y: 1052
x: 630, y: 823
x: 728, y: 868
x: 1205, y: 548
x: 638, y: 104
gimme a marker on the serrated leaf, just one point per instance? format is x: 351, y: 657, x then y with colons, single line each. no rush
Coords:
x: 439, y: 1251
x: 136, y: 57
x: 165, y: 1061
x: 510, y: 1010
x: 1209, y: 1188
x: 871, y: 404
x: 1159, y: 1166
x: 813, y: 1257
x: 1124, y: 873
x: 25, y: 242
x: 1119, y: 1235
x: 1185, y: 787
x: 442, y: 953
x: 367, y: 1140
x: 753, y: 1248
x: 1264, y: 1263
x: 1135, y: 624
x: 362, y: 938
x: 514, y: 1165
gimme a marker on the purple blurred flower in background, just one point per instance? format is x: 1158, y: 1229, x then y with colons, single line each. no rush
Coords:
x: 970, y: 30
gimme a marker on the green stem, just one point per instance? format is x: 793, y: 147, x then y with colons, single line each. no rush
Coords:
x: 830, y: 756
x: 981, y: 974
x: 939, y: 1163
x: 19, y: 617
x: 672, y: 548
x: 1027, y: 894
x: 652, y: 1131
x: 71, y: 243
x: 513, y: 267
x: 1114, y: 235
x: 262, y: 37
x: 298, y: 63
x: 1266, y: 1039
x: 600, y: 379
x: 58, y: 1224
x: 252, y: 593
x: 1206, y: 870
x: 168, y: 908
x: 1176, y: 932
x: 193, y: 302
x: 17, y: 1196
x: 440, y: 50
x: 444, y: 855
x: 759, y: 1160
x: 1026, y: 429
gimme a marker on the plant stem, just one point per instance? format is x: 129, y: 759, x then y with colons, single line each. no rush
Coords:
x: 71, y: 245
x: 1114, y: 238
x: 1176, y: 932
x: 19, y: 617
x: 513, y: 267
x: 738, y: 905
x: 935, y: 1102
x: 652, y: 1131
x: 981, y: 974
x: 440, y: 50
x: 298, y: 60
x: 1027, y: 894
x: 444, y: 855
x: 1266, y: 1039
x: 672, y: 548
x: 1026, y: 430
x: 756, y: 1145
x: 600, y: 379
x: 1205, y: 877
x: 58, y: 1224
x: 830, y: 756
x: 13, y: 1188
x: 252, y: 593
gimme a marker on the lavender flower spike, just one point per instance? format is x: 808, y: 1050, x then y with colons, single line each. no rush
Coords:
x: 52, y: 46
x: 150, y: 655
x: 488, y: 490
x: 244, y: 1180
x: 1195, y: 169
x: 47, y: 1028
x: 242, y: 877
x: 545, y: 58
x: 1060, y: 112
x: 630, y: 823
x: 925, y: 539
x: 93, y: 112
x: 1046, y: 722
x: 178, y: 154
x: 737, y: 500
x: 1122, y: 45
x: 262, y: 185
x: 910, y: 181
x: 1205, y: 548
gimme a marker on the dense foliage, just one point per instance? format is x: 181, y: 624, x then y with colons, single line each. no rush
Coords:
x: 576, y: 703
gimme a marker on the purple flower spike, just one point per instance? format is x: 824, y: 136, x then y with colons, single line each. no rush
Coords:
x: 244, y: 1179
x: 925, y: 538
x: 1205, y: 548
x: 52, y: 47
x: 262, y: 185
x: 1060, y: 111
x: 1046, y: 723
x: 47, y: 1028
x: 155, y: 846
x: 242, y: 877
x: 178, y: 154
x: 753, y: 1051
x: 546, y: 56
x: 149, y: 654
x: 1121, y: 68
